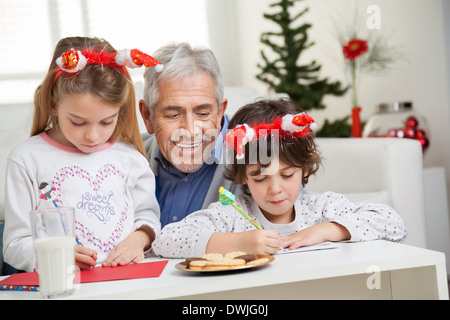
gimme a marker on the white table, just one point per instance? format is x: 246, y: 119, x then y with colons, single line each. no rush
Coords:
x: 368, y: 270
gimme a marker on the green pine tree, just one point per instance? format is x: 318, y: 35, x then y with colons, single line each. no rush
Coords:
x: 285, y: 74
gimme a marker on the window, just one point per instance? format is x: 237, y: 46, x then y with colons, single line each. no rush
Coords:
x: 29, y: 30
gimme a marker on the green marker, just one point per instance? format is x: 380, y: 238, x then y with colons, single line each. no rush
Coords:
x: 227, y: 198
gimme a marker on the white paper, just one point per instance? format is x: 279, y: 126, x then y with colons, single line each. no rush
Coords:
x: 320, y: 246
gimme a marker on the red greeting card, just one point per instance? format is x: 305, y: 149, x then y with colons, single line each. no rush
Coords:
x: 97, y: 274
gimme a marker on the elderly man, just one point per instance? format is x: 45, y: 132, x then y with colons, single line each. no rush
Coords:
x: 183, y: 111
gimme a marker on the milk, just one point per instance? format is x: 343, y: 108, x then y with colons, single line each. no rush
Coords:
x: 56, y: 265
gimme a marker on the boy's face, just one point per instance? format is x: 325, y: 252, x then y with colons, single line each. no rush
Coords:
x: 275, y: 189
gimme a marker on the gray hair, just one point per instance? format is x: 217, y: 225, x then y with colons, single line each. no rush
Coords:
x: 181, y: 61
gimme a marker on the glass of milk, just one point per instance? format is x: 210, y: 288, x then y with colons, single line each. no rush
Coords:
x: 53, y: 231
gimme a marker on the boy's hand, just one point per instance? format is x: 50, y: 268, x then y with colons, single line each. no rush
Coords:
x: 261, y: 241
x: 318, y: 233
x: 255, y: 241
x: 85, y: 257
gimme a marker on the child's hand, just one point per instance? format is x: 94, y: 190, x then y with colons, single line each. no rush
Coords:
x: 85, y: 257
x: 261, y: 241
x: 329, y: 231
x: 131, y: 249
x: 255, y: 241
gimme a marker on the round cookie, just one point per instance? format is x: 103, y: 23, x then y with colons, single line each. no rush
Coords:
x: 212, y: 256
x: 226, y: 262
x: 198, y: 264
x: 258, y: 262
x: 247, y: 257
x: 234, y: 254
x: 189, y: 260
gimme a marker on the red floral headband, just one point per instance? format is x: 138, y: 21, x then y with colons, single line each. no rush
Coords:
x: 73, y: 61
x: 290, y: 125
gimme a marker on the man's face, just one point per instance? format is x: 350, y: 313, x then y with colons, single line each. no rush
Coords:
x: 186, y: 121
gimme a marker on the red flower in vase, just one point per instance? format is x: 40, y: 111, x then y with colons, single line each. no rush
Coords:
x: 354, y: 48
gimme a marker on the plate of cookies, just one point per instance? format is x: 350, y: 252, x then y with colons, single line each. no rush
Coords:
x: 236, y: 260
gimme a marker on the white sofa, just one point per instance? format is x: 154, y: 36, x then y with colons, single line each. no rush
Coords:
x: 381, y: 170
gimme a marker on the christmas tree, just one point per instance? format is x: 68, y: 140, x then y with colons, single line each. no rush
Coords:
x: 285, y: 74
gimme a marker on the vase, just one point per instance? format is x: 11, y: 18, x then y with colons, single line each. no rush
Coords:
x: 356, y: 122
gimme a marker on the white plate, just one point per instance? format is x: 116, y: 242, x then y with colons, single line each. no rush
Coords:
x: 183, y: 267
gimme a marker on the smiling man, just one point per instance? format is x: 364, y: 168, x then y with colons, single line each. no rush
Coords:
x: 183, y: 111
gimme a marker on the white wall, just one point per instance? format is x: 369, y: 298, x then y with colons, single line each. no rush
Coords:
x: 416, y: 26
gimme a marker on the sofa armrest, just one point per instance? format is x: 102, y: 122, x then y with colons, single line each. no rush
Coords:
x: 383, y: 170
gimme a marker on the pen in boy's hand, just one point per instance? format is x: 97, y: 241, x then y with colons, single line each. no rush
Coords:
x: 227, y: 198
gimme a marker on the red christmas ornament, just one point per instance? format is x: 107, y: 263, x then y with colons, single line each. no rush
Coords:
x: 420, y: 134
x: 392, y: 133
x: 425, y: 143
x: 410, y: 131
x: 412, y: 122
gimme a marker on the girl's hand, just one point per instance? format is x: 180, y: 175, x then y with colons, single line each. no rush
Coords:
x: 255, y: 241
x: 328, y: 231
x: 131, y: 249
x: 85, y: 257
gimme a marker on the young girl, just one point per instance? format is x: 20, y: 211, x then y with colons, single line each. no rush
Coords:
x: 276, y: 155
x: 85, y: 152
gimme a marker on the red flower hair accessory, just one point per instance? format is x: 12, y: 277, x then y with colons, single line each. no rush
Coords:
x: 290, y: 125
x: 354, y: 48
x: 73, y: 61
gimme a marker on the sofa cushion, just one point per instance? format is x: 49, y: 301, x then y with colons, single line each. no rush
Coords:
x: 14, y: 128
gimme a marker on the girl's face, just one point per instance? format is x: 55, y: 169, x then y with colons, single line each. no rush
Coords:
x: 275, y: 190
x: 84, y: 122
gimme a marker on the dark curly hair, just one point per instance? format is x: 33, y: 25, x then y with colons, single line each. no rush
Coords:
x: 292, y: 151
